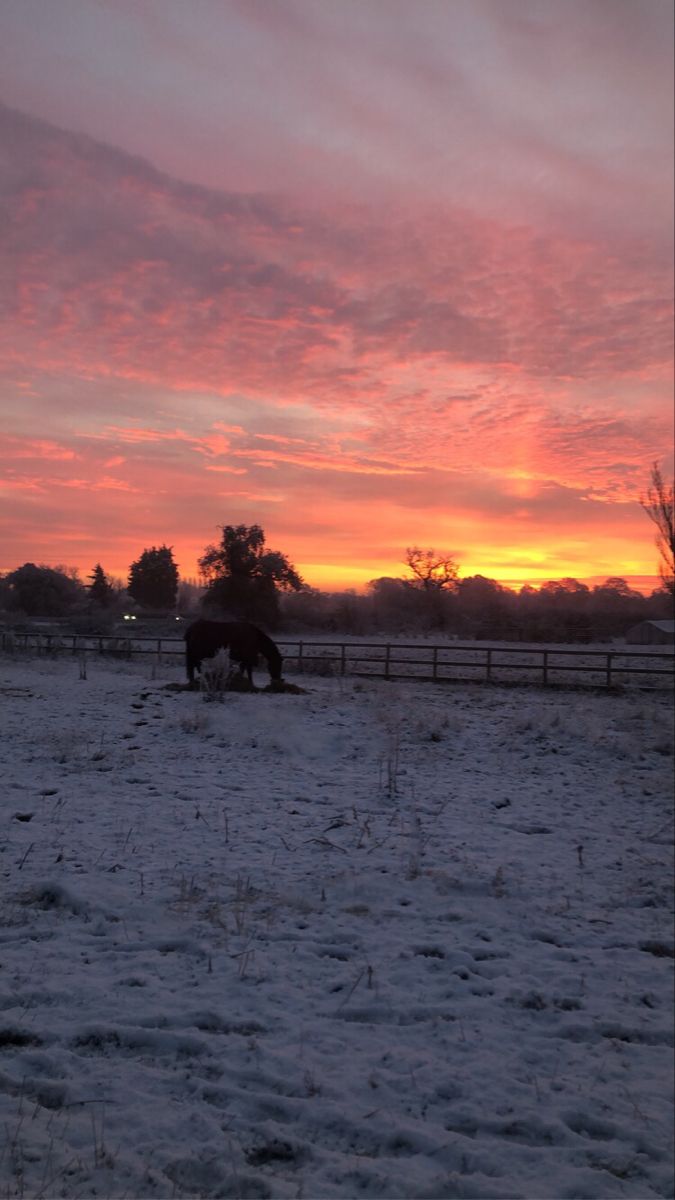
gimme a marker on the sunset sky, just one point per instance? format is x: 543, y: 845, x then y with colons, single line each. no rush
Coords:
x: 368, y: 273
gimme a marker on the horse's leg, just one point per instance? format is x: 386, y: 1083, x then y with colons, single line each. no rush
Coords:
x: 246, y: 669
x: 190, y: 667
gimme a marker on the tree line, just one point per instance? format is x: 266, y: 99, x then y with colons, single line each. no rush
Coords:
x: 478, y: 608
x: 241, y: 578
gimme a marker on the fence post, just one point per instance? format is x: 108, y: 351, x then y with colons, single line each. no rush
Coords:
x: 435, y: 667
x: 489, y: 664
x: 545, y: 666
x: 300, y: 657
x: 609, y: 670
x: 386, y: 660
x: 343, y: 659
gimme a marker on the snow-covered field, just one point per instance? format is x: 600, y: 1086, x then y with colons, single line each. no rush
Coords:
x: 379, y: 940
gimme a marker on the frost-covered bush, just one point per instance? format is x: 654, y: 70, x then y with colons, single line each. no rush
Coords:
x: 214, y: 675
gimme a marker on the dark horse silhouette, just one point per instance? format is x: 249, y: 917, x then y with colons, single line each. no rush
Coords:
x: 245, y: 642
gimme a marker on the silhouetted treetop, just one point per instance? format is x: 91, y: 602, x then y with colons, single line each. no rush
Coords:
x: 243, y: 577
x: 153, y: 579
x: 431, y: 571
x: 101, y: 590
x: 659, y: 505
x: 41, y: 591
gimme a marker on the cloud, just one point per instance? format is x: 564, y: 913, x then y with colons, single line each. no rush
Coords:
x: 39, y: 449
x: 224, y: 351
x: 533, y: 112
x: 122, y: 270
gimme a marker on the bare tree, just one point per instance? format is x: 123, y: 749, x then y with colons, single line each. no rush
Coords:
x: 659, y: 505
x: 432, y: 572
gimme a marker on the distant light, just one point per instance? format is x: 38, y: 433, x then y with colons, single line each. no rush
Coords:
x: 129, y: 617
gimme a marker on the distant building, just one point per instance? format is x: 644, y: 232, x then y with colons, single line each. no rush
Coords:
x: 652, y: 633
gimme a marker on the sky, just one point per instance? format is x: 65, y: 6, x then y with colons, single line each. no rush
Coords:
x: 371, y: 274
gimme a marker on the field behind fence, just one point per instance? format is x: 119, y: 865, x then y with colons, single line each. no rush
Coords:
x: 442, y: 662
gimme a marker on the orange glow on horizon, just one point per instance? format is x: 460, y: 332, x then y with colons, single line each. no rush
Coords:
x: 331, y: 577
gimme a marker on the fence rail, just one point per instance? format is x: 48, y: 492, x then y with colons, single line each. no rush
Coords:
x: 450, y: 662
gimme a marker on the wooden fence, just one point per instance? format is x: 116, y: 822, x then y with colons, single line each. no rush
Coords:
x: 449, y: 662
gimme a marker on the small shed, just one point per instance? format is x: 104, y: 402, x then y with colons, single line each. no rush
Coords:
x: 652, y: 633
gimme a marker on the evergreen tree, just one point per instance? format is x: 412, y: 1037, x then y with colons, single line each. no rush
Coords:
x: 101, y: 590
x: 153, y: 579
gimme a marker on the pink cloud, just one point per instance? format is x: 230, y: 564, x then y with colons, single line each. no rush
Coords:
x: 438, y: 365
x: 35, y: 448
x: 172, y: 284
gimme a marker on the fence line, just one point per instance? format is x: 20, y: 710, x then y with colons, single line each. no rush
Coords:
x: 450, y: 662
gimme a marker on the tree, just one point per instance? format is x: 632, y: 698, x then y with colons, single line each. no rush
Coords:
x: 101, y: 590
x: 484, y: 608
x: 614, y: 586
x: 395, y: 604
x: 189, y: 595
x: 243, y: 578
x: 153, y: 579
x: 431, y: 571
x: 560, y: 612
x: 562, y: 589
x: 614, y: 607
x: 309, y: 609
x: 41, y: 591
x: 659, y: 505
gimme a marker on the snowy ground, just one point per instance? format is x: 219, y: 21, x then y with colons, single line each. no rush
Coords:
x: 379, y: 940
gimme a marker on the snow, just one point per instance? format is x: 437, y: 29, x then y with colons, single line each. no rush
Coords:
x: 376, y: 939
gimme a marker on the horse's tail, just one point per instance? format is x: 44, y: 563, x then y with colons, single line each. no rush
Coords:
x: 270, y: 651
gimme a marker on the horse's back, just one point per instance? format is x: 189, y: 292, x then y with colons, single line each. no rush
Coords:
x: 203, y: 633
x: 244, y: 641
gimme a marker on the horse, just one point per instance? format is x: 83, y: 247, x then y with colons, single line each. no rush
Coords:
x: 245, y: 642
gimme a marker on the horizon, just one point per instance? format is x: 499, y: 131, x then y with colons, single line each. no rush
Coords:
x: 367, y: 278
x: 644, y: 584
